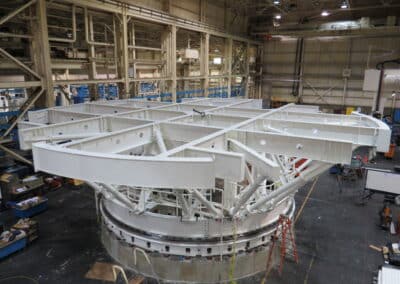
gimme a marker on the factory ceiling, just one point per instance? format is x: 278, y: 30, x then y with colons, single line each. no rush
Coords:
x: 268, y: 15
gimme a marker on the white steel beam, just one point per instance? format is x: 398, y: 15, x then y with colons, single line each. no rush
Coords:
x: 358, y: 135
x: 207, y: 203
x: 246, y: 194
x: 227, y: 164
x: 287, y: 189
x: 111, y: 190
x: 332, y: 151
x: 125, y: 170
x: 212, y: 120
x: 384, y: 132
x: 237, y: 111
x: 184, y: 132
x: 152, y: 114
x: 60, y: 115
x: 323, y: 118
x: 116, y: 141
x: 75, y: 129
x: 265, y: 166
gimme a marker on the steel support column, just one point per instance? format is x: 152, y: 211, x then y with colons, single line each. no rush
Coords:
x: 228, y: 63
x: 259, y: 72
x: 123, y: 54
x: 204, y: 61
x: 41, y: 54
x: 203, y: 10
x: 245, y: 80
x: 92, y: 54
x: 171, y: 61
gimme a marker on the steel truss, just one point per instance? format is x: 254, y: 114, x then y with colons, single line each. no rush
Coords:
x: 206, y: 178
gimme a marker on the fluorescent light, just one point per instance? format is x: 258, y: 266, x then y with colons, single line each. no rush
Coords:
x: 325, y: 13
x: 217, y: 60
x: 344, y: 5
x: 276, y: 2
x: 278, y: 17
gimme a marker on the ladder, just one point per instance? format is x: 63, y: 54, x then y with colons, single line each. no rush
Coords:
x: 283, y: 234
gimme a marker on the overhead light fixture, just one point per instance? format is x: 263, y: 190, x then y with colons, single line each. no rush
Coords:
x: 325, y: 13
x: 278, y: 17
x: 277, y: 2
x: 217, y: 60
x: 344, y: 5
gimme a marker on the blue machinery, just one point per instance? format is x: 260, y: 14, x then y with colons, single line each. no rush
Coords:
x: 215, y: 92
x: 111, y: 91
x: 104, y: 91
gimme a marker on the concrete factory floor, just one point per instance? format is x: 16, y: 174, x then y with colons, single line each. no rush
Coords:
x: 333, y: 238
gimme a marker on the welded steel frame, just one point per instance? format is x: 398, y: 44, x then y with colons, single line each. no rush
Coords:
x: 157, y: 168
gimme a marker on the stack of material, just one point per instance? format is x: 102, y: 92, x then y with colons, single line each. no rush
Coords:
x: 13, y: 188
x: 30, y: 207
x: 32, y: 182
x: 29, y: 226
x: 11, y: 241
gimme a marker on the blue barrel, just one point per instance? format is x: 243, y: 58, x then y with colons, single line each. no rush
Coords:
x: 396, y: 117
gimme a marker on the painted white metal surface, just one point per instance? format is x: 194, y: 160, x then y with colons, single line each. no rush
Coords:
x: 184, y: 179
x: 133, y: 144
x: 383, y: 181
x: 389, y: 275
x: 124, y: 169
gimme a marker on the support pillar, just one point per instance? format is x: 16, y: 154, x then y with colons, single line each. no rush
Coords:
x: 166, y: 6
x: 229, y: 194
x: 204, y: 61
x: 245, y: 80
x: 170, y: 59
x: 41, y: 55
x: 133, y: 43
x: 228, y: 63
x: 165, y: 67
x: 259, y: 71
x: 186, y: 73
x: 92, y: 61
x: 203, y: 9
x: 123, y: 55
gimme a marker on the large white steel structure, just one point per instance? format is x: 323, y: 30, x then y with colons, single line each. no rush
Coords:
x: 192, y: 192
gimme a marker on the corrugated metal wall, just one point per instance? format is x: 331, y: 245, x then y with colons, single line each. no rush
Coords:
x: 324, y: 61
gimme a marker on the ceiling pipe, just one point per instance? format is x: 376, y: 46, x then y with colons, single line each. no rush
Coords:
x: 2, y: 34
x: 366, y: 32
x: 87, y: 38
x: 67, y: 40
